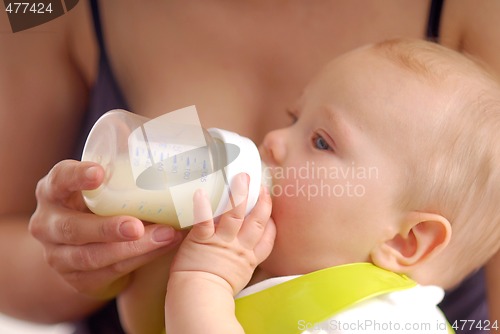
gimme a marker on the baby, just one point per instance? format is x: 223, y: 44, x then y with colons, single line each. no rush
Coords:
x: 388, y: 171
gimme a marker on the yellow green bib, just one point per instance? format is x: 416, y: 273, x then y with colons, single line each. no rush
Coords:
x: 315, y: 297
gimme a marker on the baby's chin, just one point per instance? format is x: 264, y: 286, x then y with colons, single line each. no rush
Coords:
x: 279, y: 265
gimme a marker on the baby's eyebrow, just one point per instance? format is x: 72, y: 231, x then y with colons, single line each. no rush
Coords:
x: 336, y: 124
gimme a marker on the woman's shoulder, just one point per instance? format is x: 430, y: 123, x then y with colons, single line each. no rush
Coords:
x: 472, y: 27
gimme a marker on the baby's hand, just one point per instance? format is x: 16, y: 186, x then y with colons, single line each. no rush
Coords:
x: 227, y: 252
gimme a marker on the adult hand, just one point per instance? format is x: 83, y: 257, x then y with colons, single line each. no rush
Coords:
x: 93, y: 254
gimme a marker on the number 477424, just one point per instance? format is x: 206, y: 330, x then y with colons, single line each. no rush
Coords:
x: 484, y: 325
x: 26, y: 7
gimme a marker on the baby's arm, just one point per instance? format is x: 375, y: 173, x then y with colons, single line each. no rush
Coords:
x: 141, y: 304
x: 215, y: 262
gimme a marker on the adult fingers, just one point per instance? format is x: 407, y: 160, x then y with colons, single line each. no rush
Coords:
x: 61, y: 216
x: 65, y: 226
x: 94, y: 256
x: 107, y: 282
x: 67, y: 177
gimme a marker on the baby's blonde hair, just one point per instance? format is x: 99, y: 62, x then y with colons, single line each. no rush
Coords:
x: 453, y: 168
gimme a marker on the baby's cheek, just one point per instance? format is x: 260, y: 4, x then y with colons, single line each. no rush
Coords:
x: 291, y: 237
x: 290, y: 188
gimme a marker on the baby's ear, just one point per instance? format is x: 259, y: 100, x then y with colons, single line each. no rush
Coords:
x: 421, y: 235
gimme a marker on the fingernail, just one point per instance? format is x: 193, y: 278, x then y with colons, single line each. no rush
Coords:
x: 163, y: 234
x: 245, y: 179
x: 91, y: 172
x: 200, y: 194
x: 129, y: 230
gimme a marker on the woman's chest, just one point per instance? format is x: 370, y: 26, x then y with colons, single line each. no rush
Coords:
x: 243, y: 63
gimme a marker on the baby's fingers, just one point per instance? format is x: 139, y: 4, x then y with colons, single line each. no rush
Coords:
x: 266, y: 243
x: 255, y: 223
x: 230, y: 222
x: 203, y: 217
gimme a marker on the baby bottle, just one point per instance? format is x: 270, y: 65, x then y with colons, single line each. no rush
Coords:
x: 153, y: 167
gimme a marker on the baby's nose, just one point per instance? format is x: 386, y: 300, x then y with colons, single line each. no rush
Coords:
x: 273, y: 148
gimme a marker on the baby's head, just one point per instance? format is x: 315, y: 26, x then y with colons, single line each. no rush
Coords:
x: 452, y: 168
x: 393, y: 158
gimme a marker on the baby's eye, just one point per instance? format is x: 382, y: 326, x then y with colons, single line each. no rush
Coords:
x: 320, y: 143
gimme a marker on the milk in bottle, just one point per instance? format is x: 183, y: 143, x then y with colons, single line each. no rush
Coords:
x: 153, y: 167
